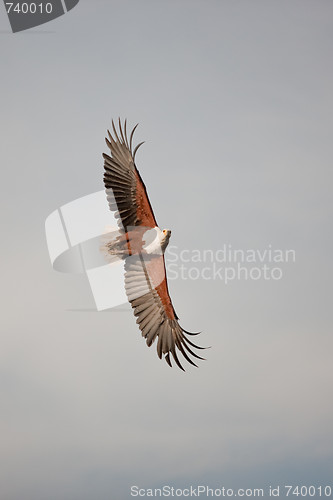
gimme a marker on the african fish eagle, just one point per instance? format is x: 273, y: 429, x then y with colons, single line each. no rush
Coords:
x: 142, y: 244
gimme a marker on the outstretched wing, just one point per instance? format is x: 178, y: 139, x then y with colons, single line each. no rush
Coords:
x: 126, y: 192
x: 147, y: 291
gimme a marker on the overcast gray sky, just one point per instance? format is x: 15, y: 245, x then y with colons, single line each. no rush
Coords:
x: 234, y: 100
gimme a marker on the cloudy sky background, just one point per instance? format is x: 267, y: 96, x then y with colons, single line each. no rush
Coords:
x: 234, y: 100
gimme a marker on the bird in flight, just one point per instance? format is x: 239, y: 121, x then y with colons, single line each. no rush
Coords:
x: 141, y: 243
